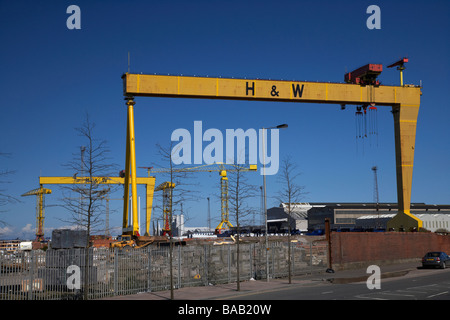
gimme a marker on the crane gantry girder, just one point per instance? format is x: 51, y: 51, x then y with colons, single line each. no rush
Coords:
x: 149, y: 183
x: 269, y: 90
x: 404, y: 101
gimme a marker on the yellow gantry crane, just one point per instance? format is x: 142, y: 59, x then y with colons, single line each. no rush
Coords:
x: 40, y: 209
x: 126, y: 229
x: 220, y: 167
x: 404, y: 101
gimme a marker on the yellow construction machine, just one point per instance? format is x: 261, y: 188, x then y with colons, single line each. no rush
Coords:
x: 128, y: 241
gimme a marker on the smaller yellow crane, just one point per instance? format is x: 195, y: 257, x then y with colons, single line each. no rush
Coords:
x: 225, y: 223
x: 40, y: 211
x: 167, y: 189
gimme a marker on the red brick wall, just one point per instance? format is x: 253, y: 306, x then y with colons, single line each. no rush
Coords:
x: 359, y: 247
x: 101, y: 242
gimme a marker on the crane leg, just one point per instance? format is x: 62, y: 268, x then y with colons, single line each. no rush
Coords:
x: 130, y: 170
x: 149, y: 205
x: 405, y: 123
x: 126, y: 195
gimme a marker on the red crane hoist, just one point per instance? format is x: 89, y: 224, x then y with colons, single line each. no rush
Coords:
x: 365, y: 75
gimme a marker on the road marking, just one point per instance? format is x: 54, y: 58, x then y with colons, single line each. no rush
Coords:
x: 372, y: 295
x: 365, y: 297
x: 430, y: 287
x: 397, y: 294
x: 437, y: 294
x: 411, y: 291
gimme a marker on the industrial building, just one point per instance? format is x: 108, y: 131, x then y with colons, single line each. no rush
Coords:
x: 177, y: 226
x: 8, y: 246
x: 348, y: 216
x: 278, y: 217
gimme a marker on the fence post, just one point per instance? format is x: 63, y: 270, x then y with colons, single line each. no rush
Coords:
x: 149, y: 268
x: 229, y: 263
x: 31, y: 270
x: 292, y: 260
x: 116, y: 271
x: 328, y: 238
x: 179, y: 266
x: 250, y: 260
x: 205, y: 264
x: 272, y: 249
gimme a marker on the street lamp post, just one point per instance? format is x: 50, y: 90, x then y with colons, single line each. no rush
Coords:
x: 209, y: 216
x: 281, y: 126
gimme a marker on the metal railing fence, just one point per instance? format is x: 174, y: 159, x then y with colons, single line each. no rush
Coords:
x: 61, y: 274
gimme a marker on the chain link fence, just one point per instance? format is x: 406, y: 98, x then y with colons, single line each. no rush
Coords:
x: 61, y: 274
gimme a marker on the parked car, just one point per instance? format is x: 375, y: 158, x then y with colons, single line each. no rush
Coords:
x: 436, y: 259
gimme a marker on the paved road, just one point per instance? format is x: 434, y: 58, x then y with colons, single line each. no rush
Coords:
x: 400, y: 281
x: 420, y: 284
x: 277, y: 298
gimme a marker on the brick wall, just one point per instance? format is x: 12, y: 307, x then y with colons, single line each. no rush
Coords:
x: 364, y: 248
x: 101, y: 243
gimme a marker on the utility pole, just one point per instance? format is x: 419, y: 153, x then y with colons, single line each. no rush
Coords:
x: 328, y: 239
x: 209, y: 216
x: 375, y: 193
x: 281, y: 126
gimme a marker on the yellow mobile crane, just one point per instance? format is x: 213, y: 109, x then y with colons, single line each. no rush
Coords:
x: 220, y: 167
x: 404, y: 101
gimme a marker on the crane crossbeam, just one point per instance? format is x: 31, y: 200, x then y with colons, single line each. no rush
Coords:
x: 99, y: 180
x: 268, y: 90
x: 206, y: 168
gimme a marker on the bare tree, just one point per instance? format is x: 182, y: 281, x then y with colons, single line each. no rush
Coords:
x: 290, y: 193
x: 182, y: 192
x: 240, y: 191
x: 84, y: 198
x: 87, y: 206
x: 5, y: 197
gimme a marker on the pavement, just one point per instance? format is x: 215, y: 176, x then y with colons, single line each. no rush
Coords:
x: 247, y: 288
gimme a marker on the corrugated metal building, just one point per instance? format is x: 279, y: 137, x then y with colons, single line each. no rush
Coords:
x: 435, y: 221
x: 277, y: 217
x: 346, y: 216
x: 431, y: 221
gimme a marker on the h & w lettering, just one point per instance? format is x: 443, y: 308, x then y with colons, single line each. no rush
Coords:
x: 296, y: 90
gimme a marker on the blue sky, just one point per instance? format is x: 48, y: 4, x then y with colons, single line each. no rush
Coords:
x: 52, y: 75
